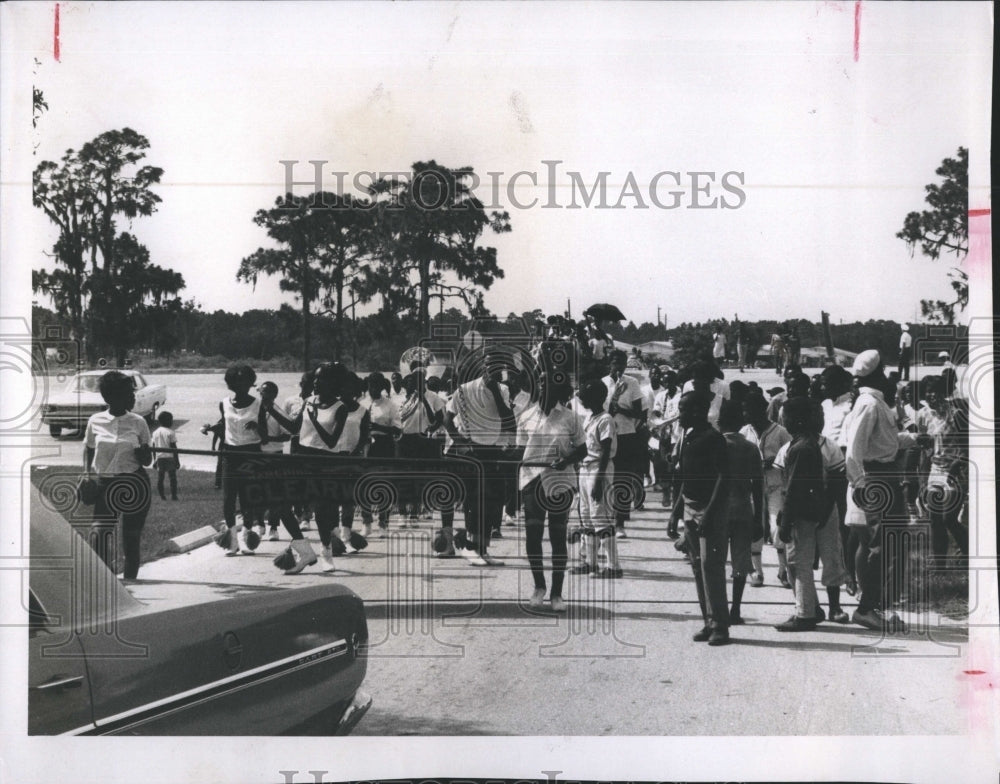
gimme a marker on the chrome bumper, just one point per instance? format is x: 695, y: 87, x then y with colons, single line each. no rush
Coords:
x: 359, y: 706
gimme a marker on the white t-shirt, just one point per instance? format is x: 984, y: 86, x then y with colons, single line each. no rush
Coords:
x: 549, y: 438
x: 413, y: 416
x: 719, y: 350
x: 114, y: 441
x: 720, y: 390
x: 630, y: 391
x: 237, y: 419
x: 164, y: 438
x: 476, y: 415
x: 596, y: 429
x: 905, y: 340
x: 325, y: 416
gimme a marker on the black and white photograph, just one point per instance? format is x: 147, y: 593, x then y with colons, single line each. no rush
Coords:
x: 552, y: 392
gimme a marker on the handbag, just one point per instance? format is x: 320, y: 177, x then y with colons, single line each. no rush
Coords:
x: 86, y: 490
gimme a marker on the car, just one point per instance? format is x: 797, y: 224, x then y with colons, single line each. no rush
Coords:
x: 268, y: 662
x: 72, y: 407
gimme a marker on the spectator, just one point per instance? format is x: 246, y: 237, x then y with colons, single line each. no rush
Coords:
x: 625, y: 403
x: 905, y: 352
x: 164, y: 438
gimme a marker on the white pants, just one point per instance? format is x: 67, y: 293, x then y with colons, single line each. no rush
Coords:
x: 596, y: 514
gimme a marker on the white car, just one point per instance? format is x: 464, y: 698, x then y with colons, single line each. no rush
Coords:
x: 72, y: 407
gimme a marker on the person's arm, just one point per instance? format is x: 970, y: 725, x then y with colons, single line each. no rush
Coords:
x: 602, y: 470
x: 173, y: 445
x: 262, y: 424
x: 291, y: 425
x: 857, y: 440
x: 366, y: 430
x: 143, y: 452
x: 339, y: 418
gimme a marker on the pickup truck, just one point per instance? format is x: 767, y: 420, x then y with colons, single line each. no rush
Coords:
x: 72, y: 407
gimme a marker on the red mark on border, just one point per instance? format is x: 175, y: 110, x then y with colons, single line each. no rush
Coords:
x: 857, y: 29
x: 979, y: 213
x: 974, y: 672
x: 55, y: 36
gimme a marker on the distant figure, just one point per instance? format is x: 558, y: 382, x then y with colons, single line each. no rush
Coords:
x: 794, y: 345
x: 719, y: 346
x: 779, y: 351
x: 166, y: 465
x: 905, y: 352
x: 741, y: 348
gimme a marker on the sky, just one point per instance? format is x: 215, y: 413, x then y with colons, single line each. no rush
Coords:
x: 830, y: 151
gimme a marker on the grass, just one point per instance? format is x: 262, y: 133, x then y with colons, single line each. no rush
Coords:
x: 200, y: 504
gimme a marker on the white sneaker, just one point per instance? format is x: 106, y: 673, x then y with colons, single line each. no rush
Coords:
x: 260, y: 531
x: 491, y: 561
x: 537, y: 598
x: 305, y: 523
x: 473, y: 557
x: 366, y: 531
x: 241, y: 539
x: 234, y: 543
x: 273, y: 536
x: 558, y: 605
x: 508, y: 520
x: 326, y: 559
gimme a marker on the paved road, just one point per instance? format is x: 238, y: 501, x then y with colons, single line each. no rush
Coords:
x: 456, y: 651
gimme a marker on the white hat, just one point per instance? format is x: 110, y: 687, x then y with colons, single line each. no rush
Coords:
x: 866, y: 362
x: 906, y: 327
x: 944, y: 354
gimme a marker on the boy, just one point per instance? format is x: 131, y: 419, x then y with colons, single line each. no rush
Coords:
x: 166, y: 465
x: 597, y: 470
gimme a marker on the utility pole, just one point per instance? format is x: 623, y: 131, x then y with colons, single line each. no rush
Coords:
x: 657, y: 315
x: 569, y: 311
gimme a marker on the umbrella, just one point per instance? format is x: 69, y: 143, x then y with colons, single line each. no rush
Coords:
x: 602, y: 311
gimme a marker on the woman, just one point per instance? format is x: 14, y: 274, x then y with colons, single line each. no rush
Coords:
x: 117, y: 446
x: 383, y: 414
x: 553, y: 436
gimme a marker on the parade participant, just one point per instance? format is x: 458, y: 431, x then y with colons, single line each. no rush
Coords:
x: 385, y: 424
x: 482, y: 426
x: 745, y: 481
x: 905, y: 352
x: 778, y: 398
x: 597, y: 470
x: 702, y: 504
x: 652, y: 479
x: 805, y: 508
x: 663, y: 420
x: 709, y: 378
x: 421, y: 413
x: 552, y: 434
x: 523, y: 393
x: 625, y: 403
x: 275, y: 444
x: 243, y: 422
x: 116, y: 447
x: 166, y: 465
x: 873, y: 443
x: 768, y: 437
x: 319, y: 425
x: 397, y: 393
x: 291, y: 408
x: 741, y: 348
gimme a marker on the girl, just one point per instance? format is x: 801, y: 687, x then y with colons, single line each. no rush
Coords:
x: 597, y: 470
x: 383, y: 416
x: 116, y: 449
x: 166, y: 465
x: 421, y: 413
x: 243, y: 422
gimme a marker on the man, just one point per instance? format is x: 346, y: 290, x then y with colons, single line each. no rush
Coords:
x: 481, y: 425
x: 625, y: 403
x: 663, y: 420
x: 702, y: 505
x: 873, y: 443
x: 905, y: 352
x: 397, y: 394
x: 707, y: 377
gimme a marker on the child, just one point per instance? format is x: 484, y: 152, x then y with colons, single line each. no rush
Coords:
x: 804, y: 511
x: 166, y: 465
x: 596, y: 476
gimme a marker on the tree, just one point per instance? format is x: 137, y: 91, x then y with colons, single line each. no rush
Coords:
x: 428, y: 227
x: 98, y: 269
x: 944, y: 229
x: 324, y: 241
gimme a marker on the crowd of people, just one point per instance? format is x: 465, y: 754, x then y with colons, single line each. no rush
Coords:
x: 822, y: 470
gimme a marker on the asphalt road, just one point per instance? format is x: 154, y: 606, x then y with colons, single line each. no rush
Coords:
x: 455, y: 650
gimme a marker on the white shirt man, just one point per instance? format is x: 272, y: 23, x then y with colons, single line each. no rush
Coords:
x: 628, y: 391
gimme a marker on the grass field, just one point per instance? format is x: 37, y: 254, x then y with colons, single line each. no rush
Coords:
x: 199, y: 504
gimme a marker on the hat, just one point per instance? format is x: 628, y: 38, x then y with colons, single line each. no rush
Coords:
x: 866, y: 362
x: 905, y: 327
x: 944, y: 354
